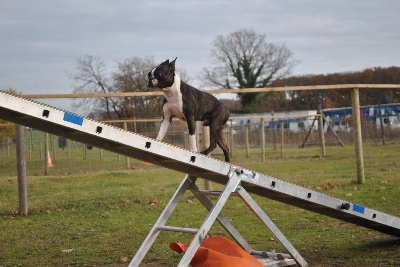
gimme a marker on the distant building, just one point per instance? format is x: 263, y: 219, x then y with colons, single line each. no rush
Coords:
x: 339, y: 118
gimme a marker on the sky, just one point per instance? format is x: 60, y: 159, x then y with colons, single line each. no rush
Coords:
x: 41, y: 40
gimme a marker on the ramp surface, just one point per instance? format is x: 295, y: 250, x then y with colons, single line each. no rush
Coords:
x: 52, y: 120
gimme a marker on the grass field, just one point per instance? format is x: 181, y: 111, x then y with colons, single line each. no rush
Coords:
x: 101, y: 218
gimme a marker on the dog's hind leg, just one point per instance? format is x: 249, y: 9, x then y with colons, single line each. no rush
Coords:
x: 222, y: 144
x: 213, y: 139
x: 218, y: 137
x: 213, y: 145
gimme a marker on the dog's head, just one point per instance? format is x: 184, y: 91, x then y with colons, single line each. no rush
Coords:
x: 162, y: 76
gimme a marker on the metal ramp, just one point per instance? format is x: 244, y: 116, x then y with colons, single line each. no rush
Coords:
x: 52, y: 120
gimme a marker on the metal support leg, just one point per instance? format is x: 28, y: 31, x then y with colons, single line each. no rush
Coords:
x: 222, y: 219
x: 234, y: 180
x: 271, y: 226
x: 137, y: 259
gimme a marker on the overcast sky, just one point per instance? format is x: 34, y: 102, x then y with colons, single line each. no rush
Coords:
x: 41, y: 40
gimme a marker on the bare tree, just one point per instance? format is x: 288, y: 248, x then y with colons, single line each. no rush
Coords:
x: 244, y: 59
x: 130, y: 76
x: 91, y: 77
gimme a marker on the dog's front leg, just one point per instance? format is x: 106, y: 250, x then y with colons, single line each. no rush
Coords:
x: 163, y: 128
x: 192, y: 133
x: 192, y: 143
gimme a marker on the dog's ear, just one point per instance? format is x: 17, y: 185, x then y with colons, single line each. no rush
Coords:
x: 166, y: 62
x: 172, y: 65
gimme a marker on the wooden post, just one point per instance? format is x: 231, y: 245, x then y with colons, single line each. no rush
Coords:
x: 332, y: 130
x: 199, y: 139
x: 247, y: 126
x: 134, y: 125
x: 9, y: 148
x: 30, y: 144
x: 46, y: 158
x: 273, y: 129
x: 357, y: 135
x: 40, y: 149
x: 382, y: 126
x: 309, y: 132
x: 69, y: 148
x: 262, y: 139
x: 231, y: 139
x: 321, y: 131
x: 128, y: 163
x: 21, y: 170
x: 205, y: 144
x: 55, y: 146
x: 282, y: 136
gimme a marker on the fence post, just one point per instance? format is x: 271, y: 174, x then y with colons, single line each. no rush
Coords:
x: 231, y: 139
x: 134, y: 125
x: 205, y: 144
x: 282, y: 123
x: 273, y: 129
x: 40, y: 149
x: 263, y: 139
x: 55, y: 146
x: 46, y: 158
x: 9, y: 148
x: 321, y: 131
x: 357, y: 135
x: 84, y: 151
x: 69, y: 148
x: 247, y: 126
x: 128, y: 163
x: 30, y: 143
x: 21, y: 169
x: 382, y: 126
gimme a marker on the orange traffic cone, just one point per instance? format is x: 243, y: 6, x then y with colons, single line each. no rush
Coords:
x: 49, y: 164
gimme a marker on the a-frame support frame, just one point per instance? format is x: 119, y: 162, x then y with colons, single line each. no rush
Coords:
x: 232, y: 187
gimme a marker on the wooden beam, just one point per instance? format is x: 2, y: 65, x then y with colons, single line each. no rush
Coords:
x: 223, y: 91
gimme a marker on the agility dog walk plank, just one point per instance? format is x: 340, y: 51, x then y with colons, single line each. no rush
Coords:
x: 52, y: 120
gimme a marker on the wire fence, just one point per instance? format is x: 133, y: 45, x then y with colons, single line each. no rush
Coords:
x: 244, y: 135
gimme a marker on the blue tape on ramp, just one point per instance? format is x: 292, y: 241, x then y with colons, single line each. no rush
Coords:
x: 358, y: 208
x: 73, y: 119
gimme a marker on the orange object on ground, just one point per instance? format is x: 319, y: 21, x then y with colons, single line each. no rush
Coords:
x: 217, y: 251
x: 49, y: 164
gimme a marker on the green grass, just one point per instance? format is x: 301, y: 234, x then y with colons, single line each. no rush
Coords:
x: 87, y: 219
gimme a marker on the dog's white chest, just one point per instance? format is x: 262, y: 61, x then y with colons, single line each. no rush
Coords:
x: 174, y: 104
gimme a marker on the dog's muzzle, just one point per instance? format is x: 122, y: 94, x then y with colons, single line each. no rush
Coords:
x: 152, y: 79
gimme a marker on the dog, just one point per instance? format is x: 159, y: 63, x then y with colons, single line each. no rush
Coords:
x: 189, y: 104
